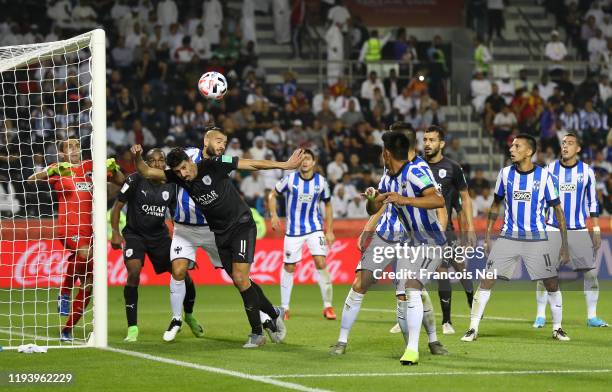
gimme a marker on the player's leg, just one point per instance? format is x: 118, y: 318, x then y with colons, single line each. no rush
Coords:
x: 318, y: 248
x: 541, y: 259
x: 445, y: 293
x: 65, y: 296
x: 410, y: 318
x: 468, y: 286
x: 583, y: 259
x: 501, y: 261
x: 130, y: 296
x: 292, y: 247
x: 84, y: 271
x: 541, y: 301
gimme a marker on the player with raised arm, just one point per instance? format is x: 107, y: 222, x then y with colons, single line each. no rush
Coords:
x: 575, y: 182
x: 71, y: 180
x: 146, y: 232
x: 404, y: 170
x: 452, y: 185
x: 526, y: 190
x: 304, y: 190
x: 209, y: 185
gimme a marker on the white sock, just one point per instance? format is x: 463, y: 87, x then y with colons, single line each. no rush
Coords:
x: 325, y: 285
x: 556, y: 308
x: 177, y: 296
x: 541, y: 299
x: 264, y: 317
x: 286, y: 285
x: 414, y: 318
x: 478, y: 306
x: 591, y: 292
x: 402, y: 321
x: 352, y: 305
x: 429, y: 320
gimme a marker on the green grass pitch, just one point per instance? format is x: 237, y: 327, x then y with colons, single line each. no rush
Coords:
x: 509, y: 354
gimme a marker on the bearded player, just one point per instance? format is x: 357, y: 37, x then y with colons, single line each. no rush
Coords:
x: 71, y: 180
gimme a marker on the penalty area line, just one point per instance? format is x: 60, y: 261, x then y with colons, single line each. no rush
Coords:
x: 471, y: 373
x: 216, y: 370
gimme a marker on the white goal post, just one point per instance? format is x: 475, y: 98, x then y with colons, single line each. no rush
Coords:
x: 49, y: 92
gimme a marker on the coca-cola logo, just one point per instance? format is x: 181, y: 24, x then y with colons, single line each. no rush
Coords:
x: 39, y: 266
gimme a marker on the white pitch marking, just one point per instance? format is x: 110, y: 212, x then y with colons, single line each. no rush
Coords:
x: 454, y: 315
x: 470, y: 373
x: 211, y: 369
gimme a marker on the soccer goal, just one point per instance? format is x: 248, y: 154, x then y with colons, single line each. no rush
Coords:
x: 50, y: 93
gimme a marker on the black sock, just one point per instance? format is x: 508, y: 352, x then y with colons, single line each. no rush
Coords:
x: 264, y: 304
x: 470, y: 295
x: 445, y: 293
x: 190, y: 295
x: 130, y: 295
x: 251, y: 307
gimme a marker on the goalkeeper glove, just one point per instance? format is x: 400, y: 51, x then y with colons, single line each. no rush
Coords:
x: 112, y: 166
x: 60, y: 169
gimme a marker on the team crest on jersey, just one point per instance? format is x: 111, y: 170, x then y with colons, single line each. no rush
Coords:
x: 129, y: 252
x: 88, y: 174
x: 207, y: 180
x: 442, y: 173
x: 536, y: 185
x: 165, y: 195
x: 580, y: 177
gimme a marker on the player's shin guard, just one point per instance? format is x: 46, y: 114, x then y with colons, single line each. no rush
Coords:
x: 78, y: 305
x: 251, y: 307
x: 352, y: 305
x: 445, y: 293
x: 429, y: 320
x: 401, y: 319
x: 541, y: 299
x: 556, y: 308
x: 468, y: 287
x: 481, y: 297
x: 414, y: 317
x: 286, y: 286
x: 190, y: 295
x: 264, y: 304
x: 591, y: 292
x: 177, y: 296
x: 130, y: 295
x: 325, y: 285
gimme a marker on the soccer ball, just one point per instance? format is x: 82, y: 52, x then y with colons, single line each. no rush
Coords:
x: 213, y: 85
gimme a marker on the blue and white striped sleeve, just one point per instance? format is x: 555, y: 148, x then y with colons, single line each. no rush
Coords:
x: 382, y: 185
x: 420, y: 178
x: 593, y: 204
x: 500, y: 189
x: 550, y: 191
x: 282, y: 185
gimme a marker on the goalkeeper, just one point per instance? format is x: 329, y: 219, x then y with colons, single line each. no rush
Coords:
x: 71, y: 179
x: 148, y: 202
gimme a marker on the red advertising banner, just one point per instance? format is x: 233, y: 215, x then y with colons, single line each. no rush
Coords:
x: 42, y: 263
x: 408, y: 13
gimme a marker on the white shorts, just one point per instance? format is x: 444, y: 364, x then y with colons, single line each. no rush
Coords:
x: 293, y: 246
x: 187, y: 239
x: 425, y: 261
x: 540, y: 257
x: 582, y: 255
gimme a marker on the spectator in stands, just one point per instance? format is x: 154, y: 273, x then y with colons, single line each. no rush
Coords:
x: 335, y: 53
x: 482, y: 56
x: 503, y: 123
x: 126, y: 105
x: 371, y: 50
x: 201, y: 44
x: 588, y: 31
x: 339, y: 15
x: 596, y: 46
x: 347, y: 184
x: 253, y: 187
x: 457, y: 153
x: 548, y: 119
x: 480, y: 88
x: 481, y: 204
x: 351, y: 116
x: 606, y: 26
x: 570, y: 119
x: 213, y: 20
x: 381, y: 102
x: 326, y: 116
x: 341, y: 103
x: 495, y: 18
x: 392, y: 84
x: 523, y: 81
x: 141, y: 135
x: 282, y: 27
x: 356, y: 208
x: 59, y: 11
x: 591, y: 124
x: 434, y: 116
x: 297, y: 137
x: 478, y: 182
x: 9, y: 203
x: 257, y: 96
x: 116, y: 137
x: 233, y: 148
x: 83, y: 16
x: 605, y: 92
x: 336, y: 168
x: 247, y: 22
x: 404, y: 102
x: 123, y: 57
x: 298, y: 20
x: 506, y: 87
x: 493, y: 105
x: 596, y: 11
x: 259, y: 149
x: 555, y: 51
x: 546, y: 87
x: 566, y: 86
x: 167, y: 13
x: 339, y: 202
x: 371, y: 83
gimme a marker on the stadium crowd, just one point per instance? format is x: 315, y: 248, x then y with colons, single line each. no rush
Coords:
x: 156, y: 50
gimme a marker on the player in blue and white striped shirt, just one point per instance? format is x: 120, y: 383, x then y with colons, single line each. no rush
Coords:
x: 575, y: 182
x: 190, y: 233
x: 304, y: 190
x: 527, y: 190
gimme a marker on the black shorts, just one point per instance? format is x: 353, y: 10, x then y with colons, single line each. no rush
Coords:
x: 136, y: 246
x: 237, y: 245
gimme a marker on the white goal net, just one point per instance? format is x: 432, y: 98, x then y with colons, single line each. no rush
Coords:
x: 53, y: 193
